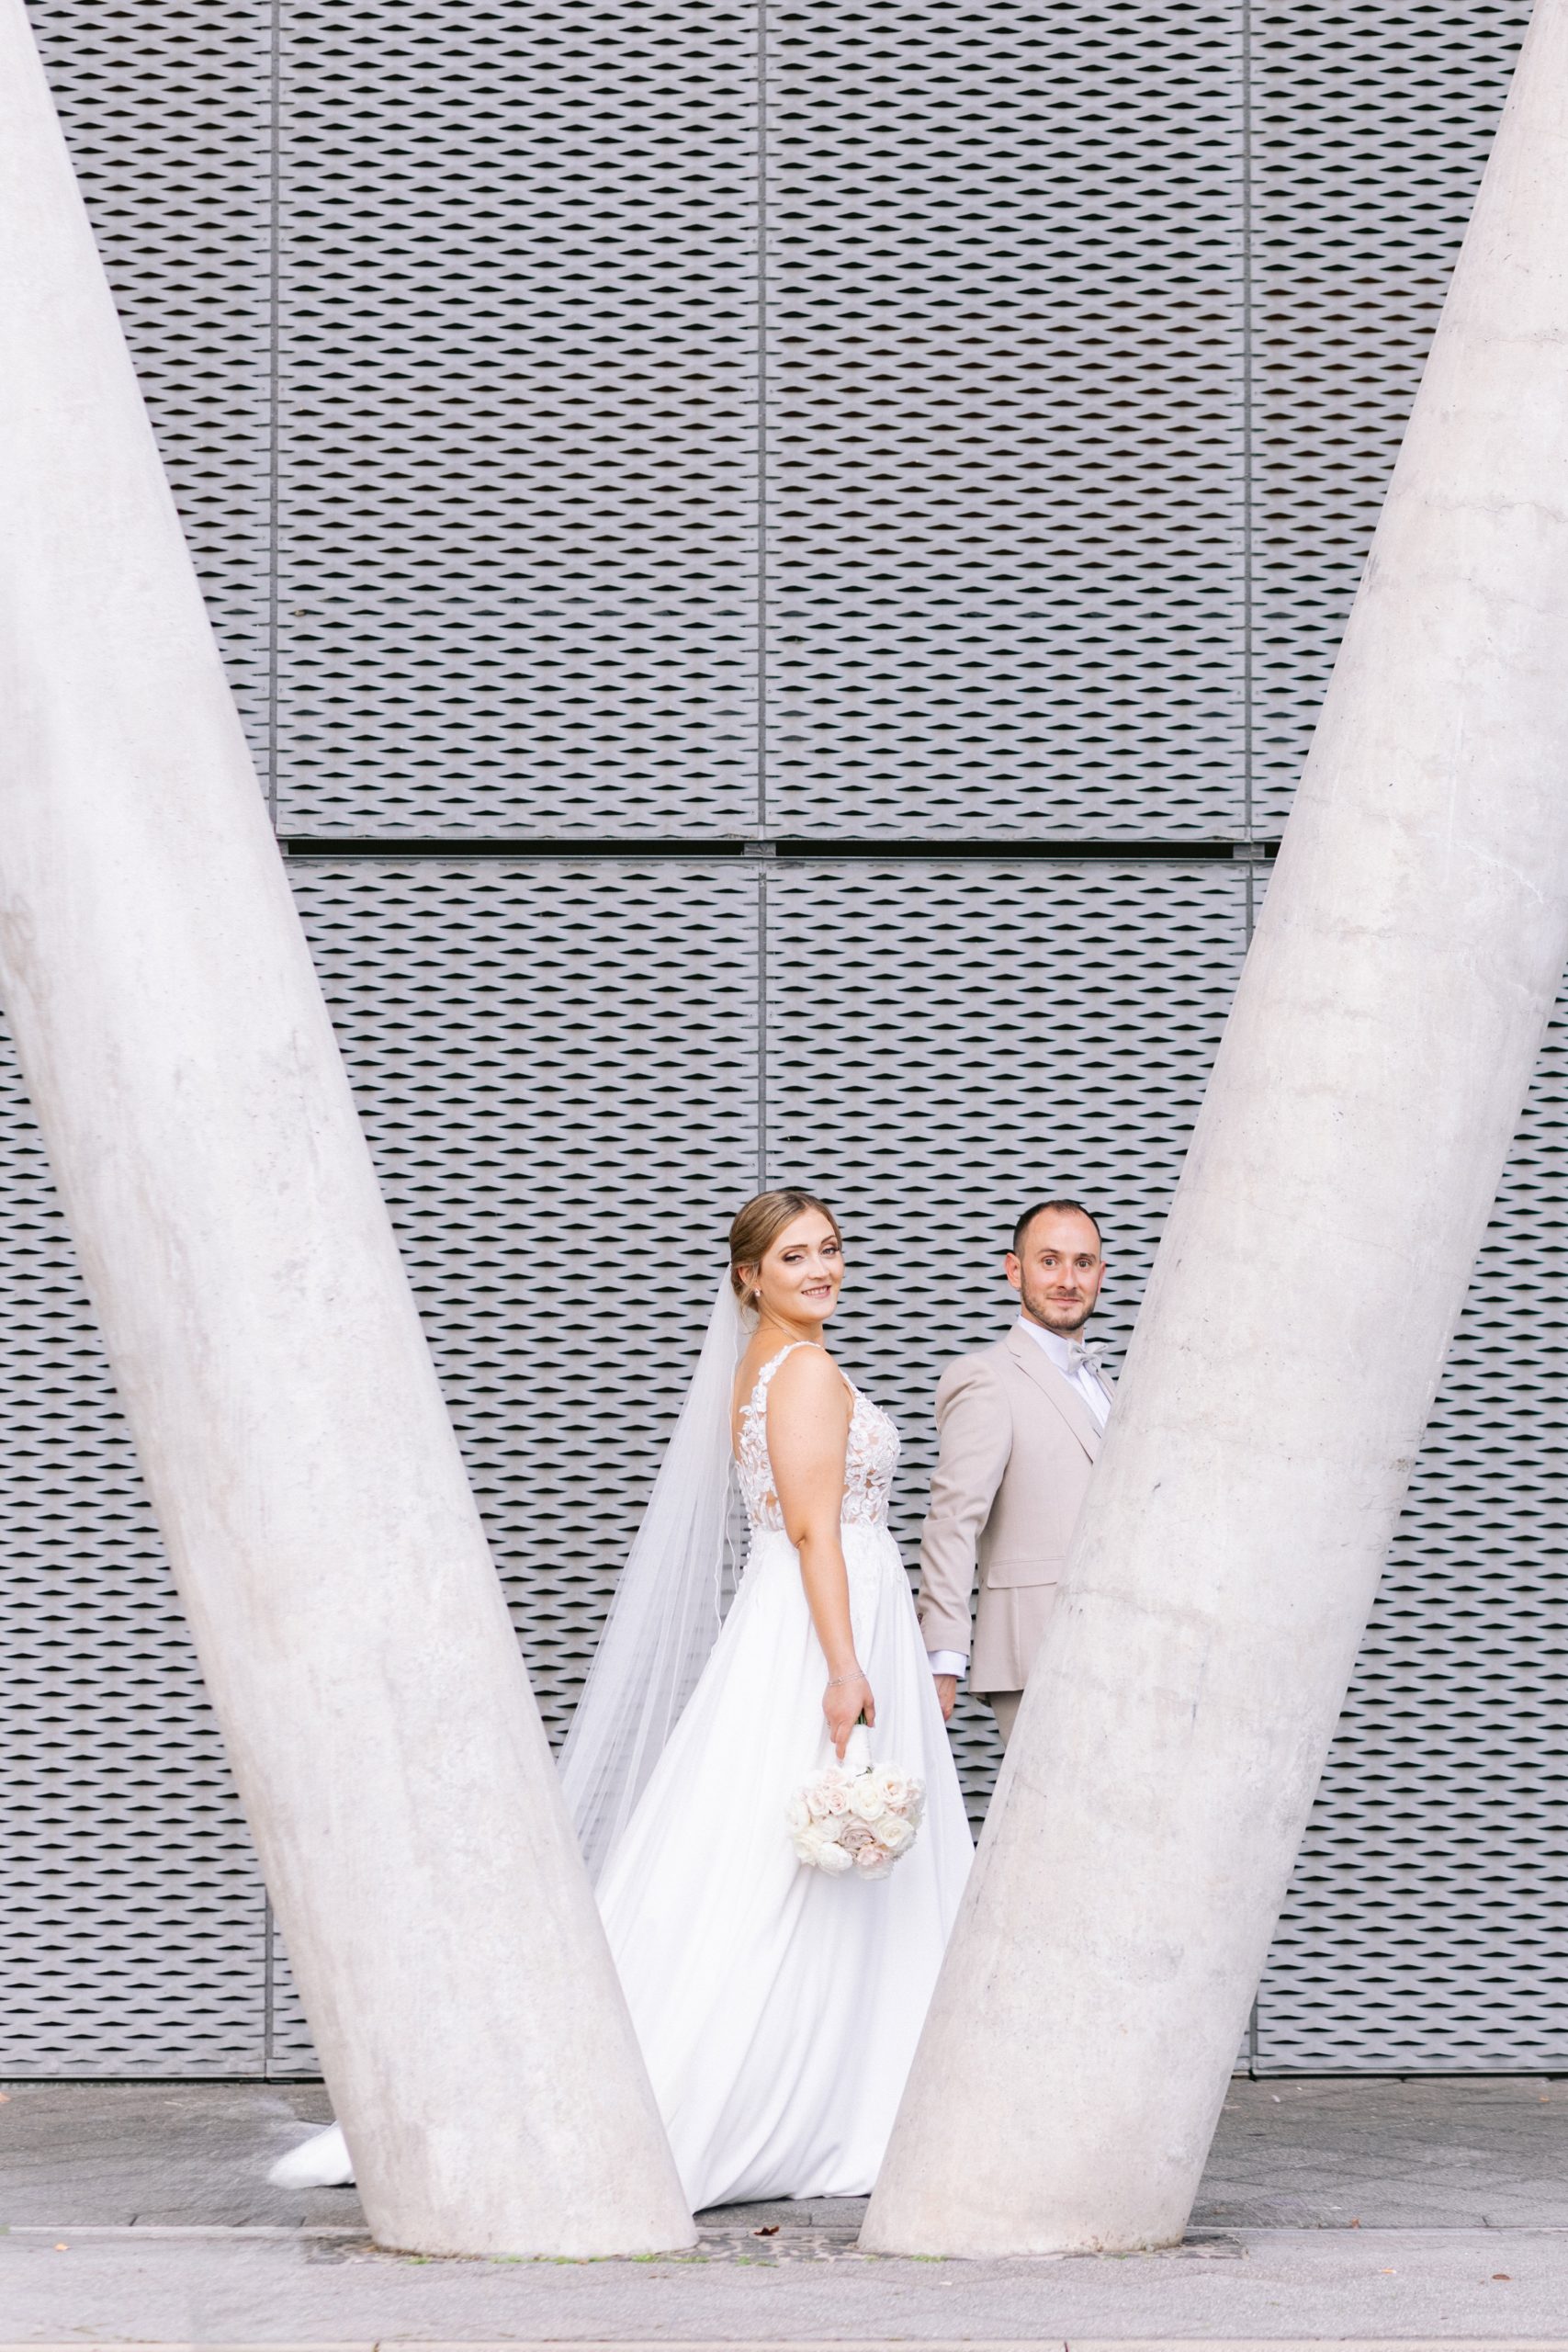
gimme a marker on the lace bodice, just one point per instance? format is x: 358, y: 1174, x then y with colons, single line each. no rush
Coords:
x: 870, y: 1460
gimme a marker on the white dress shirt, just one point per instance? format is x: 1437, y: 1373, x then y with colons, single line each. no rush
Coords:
x: 1081, y: 1373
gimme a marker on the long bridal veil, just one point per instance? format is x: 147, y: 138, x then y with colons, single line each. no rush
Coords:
x: 669, y: 1606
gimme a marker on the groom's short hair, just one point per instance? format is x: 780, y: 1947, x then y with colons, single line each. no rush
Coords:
x: 1073, y: 1208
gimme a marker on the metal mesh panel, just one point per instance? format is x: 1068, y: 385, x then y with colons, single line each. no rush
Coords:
x: 1427, y: 1920
x: 132, y: 1920
x: 944, y: 1042
x: 517, y: 465
x: 1371, y: 124
x: 167, y: 109
x: 1005, y: 482
x: 522, y: 470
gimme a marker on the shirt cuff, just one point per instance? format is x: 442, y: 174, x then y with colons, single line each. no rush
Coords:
x: 948, y: 1661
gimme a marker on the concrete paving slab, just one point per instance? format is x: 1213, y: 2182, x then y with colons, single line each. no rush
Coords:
x: 1435, y: 2151
x: 159, y: 2151
x: 1431, y: 2287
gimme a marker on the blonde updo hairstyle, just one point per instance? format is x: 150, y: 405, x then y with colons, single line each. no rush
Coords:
x: 758, y: 1226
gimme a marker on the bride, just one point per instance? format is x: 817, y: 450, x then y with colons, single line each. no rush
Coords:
x: 777, y: 2006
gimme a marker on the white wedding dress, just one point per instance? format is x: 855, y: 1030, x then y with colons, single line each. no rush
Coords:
x: 778, y: 2008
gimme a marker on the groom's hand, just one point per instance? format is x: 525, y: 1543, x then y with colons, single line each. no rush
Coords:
x: 946, y: 1694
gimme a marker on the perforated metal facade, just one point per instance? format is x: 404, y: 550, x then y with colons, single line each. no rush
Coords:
x: 939, y: 442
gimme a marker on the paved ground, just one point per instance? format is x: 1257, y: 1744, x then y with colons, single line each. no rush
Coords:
x: 1428, y: 2212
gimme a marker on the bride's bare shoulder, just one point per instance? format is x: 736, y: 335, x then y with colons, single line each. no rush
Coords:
x: 809, y: 1376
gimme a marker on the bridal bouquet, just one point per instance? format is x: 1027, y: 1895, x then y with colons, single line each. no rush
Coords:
x: 856, y: 1815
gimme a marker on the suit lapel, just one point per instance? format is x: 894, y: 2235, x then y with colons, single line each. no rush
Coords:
x: 1054, y: 1386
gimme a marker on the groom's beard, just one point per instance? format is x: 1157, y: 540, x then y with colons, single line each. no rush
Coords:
x: 1056, y: 1314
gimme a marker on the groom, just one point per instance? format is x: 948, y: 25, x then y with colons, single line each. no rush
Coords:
x: 1018, y: 1425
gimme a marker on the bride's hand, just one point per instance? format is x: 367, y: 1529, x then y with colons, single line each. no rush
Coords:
x: 846, y: 1698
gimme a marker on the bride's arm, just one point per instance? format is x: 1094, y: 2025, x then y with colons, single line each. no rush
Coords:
x: 808, y: 1429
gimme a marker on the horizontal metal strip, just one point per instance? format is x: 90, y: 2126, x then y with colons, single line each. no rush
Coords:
x: 716, y: 847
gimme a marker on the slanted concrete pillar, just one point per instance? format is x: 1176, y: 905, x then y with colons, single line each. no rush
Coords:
x: 1338, y: 1185
x: 300, y: 1459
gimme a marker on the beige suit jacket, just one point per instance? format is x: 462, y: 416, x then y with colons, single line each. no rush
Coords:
x: 1016, y: 1446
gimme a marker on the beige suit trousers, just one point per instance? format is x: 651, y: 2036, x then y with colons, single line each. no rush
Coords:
x: 1004, y: 1705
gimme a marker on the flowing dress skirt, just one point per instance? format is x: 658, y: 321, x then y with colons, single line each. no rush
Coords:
x: 778, y: 2008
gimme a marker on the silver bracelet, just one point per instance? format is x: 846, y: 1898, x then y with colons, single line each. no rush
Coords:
x: 834, y: 1679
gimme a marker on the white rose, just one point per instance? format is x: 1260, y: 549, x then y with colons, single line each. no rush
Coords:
x: 836, y: 1799
x: 817, y: 1801
x: 897, y: 1835
x: 833, y: 1859
x: 873, y: 1861
x: 798, y: 1814
x: 866, y: 1798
